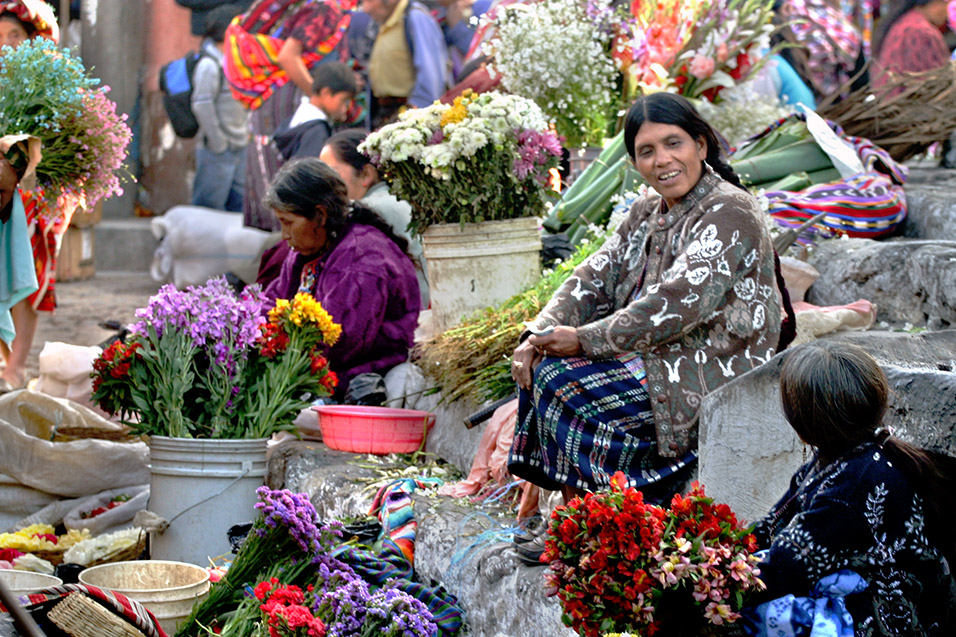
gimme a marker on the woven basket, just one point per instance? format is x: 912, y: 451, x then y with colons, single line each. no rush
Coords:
x: 131, y: 552
x: 80, y: 616
x: 54, y: 557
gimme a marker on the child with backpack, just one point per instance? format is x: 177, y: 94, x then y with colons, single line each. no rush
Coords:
x: 223, y: 123
x: 303, y: 135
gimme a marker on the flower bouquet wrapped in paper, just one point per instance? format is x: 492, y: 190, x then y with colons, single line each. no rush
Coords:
x: 47, y: 93
x: 620, y: 565
x: 204, y: 363
x: 485, y: 157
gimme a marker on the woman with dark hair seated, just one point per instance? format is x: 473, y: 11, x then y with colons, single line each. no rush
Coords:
x: 680, y: 300
x: 869, y: 518
x: 352, y: 262
x: 365, y: 185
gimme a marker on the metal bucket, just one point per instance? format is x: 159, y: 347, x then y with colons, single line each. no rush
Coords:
x: 167, y: 589
x: 202, y: 487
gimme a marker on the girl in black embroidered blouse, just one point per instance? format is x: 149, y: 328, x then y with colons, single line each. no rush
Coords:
x: 867, y: 502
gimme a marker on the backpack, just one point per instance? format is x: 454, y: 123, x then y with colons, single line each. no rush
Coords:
x: 176, y: 84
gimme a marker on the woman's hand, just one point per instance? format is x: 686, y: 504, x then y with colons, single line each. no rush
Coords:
x: 523, y: 361
x: 563, y: 341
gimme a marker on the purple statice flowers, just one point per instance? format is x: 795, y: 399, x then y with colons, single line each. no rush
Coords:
x: 394, y: 613
x: 295, y: 512
x: 535, y: 148
x: 218, y: 321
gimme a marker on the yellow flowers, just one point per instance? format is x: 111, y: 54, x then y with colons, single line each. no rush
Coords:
x: 305, y: 310
x: 459, y: 110
x: 36, y: 538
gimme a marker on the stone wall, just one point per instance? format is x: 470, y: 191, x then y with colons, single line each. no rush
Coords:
x: 748, y: 450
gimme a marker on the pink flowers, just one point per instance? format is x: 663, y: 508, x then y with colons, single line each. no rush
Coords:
x: 702, y: 67
x: 535, y: 149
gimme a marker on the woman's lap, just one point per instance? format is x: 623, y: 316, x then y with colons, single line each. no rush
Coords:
x: 587, y: 420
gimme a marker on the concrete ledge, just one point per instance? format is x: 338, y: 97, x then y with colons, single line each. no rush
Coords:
x: 909, y: 281
x: 125, y: 245
x: 748, y: 451
x: 501, y: 596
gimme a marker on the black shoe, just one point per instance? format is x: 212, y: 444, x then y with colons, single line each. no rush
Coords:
x: 531, y: 552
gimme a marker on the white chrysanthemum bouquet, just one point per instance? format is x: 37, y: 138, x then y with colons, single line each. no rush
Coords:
x: 485, y: 157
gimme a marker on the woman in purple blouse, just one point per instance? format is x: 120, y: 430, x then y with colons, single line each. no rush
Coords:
x: 350, y: 260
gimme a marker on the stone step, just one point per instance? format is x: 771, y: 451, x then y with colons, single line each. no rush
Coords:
x: 910, y: 281
x: 748, y: 451
x: 501, y: 596
x: 931, y: 210
x: 124, y: 245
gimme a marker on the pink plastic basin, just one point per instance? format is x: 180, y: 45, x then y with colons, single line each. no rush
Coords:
x: 377, y: 430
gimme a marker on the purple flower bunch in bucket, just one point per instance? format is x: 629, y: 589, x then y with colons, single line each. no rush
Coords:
x: 203, y: 363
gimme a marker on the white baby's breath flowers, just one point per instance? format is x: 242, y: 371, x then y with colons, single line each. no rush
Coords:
x: 552, y: 53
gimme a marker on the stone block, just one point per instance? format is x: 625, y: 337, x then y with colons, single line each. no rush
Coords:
x: 931, y: 212
x: 470, y: 552
x: 910, y: 281
x: 124, y: 245
x: 449, y: 438
x: 748, y: 451
x: 334, y: 480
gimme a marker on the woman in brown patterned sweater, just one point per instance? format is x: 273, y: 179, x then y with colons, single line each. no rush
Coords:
x: 680, y: 300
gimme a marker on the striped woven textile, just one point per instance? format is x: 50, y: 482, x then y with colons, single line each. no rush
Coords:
x: 129, y: 609
x: 393, y: 507
x: 253, y: 41
x: 869, y: 205
x: 391, y: 564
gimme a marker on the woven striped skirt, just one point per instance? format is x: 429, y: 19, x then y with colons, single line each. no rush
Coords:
x: 586, y: 419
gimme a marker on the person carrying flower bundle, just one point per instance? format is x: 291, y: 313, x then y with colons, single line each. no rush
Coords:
x: 17, y: 274
x: 867, y: 523
x: 680, y: 300
x: 269, y: 52
x: 351, y: 261
x: 22, y: 20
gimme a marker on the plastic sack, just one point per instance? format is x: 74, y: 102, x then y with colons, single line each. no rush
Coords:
x: 121, y: 516
x: 366, y: 389
x: 88, y: 465
x: 198, y: 243
x: 65, y: 371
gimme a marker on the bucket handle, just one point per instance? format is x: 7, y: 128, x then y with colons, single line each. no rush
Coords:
x: 246, y: 468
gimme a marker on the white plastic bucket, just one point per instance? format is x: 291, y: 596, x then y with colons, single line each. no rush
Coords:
x: 26, y: 582
x: 479, y: 265
x: 167, y: 589
x: 202, y: 487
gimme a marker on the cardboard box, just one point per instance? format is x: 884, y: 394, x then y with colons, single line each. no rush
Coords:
x: 83, y: 219
x: 76, y: 255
